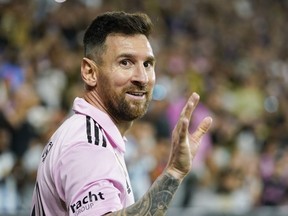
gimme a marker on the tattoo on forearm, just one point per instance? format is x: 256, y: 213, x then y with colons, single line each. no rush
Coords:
x: 156, y: 200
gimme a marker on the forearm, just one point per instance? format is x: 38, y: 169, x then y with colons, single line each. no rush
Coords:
x: 156, y: 200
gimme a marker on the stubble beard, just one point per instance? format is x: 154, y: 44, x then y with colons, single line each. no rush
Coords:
x: 118, y: 106
x: 125, y: 110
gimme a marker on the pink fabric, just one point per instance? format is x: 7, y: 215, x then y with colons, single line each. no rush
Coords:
x: 82, y: 171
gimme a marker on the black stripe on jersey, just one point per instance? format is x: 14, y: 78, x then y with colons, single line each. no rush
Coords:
x: 88, y: 129
x: 40, y: 204
x: 99, y: 132
x: 99, y: 138
x: 33, y: 211
x: 96, y: 133
x: 104, y: 142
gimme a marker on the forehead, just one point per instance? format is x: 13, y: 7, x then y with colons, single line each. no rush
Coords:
x: 138, y: 44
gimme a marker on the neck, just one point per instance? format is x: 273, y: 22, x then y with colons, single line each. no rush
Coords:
x: 93, y: 98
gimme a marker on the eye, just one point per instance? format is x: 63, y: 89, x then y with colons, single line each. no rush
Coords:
x: 125, y: 63
x: 148, y: 64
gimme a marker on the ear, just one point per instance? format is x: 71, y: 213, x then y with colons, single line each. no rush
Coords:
x: 89, y: 72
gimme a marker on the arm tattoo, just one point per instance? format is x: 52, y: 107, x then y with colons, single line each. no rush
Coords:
x: 156, y: 200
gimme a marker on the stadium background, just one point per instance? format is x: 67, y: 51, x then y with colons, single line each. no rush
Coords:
x: 232, y: 52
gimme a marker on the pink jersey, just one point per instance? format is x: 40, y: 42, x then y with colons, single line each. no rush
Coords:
x: 82, y: 169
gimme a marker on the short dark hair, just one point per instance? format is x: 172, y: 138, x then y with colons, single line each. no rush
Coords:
x: 114, y: 22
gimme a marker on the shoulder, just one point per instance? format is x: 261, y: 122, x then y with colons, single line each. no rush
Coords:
x: 80, y: 128
x: 81, y: 139
x: 79, y: 133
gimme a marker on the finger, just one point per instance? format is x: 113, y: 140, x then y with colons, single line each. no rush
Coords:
x: 202, y: 129
x: 185, y: 116
x: 190, y: 106
x: 198, y: 134
x: 183, y: 129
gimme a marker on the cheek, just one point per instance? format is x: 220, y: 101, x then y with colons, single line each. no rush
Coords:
x: 120, y: 78
x: 114, y: 80
x: 152, y: 79
x: 120, y: 81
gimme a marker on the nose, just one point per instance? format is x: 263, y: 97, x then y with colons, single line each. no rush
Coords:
x: 140, y: 76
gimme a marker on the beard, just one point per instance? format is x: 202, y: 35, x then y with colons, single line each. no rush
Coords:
x: 120, y: 108
x: 117, y: 104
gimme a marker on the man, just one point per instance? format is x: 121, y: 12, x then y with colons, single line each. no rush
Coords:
x: 82, y: 169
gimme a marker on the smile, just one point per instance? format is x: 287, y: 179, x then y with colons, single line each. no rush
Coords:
x: 137, y: 94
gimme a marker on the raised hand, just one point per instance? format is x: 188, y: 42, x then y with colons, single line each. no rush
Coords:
x: 184, y: 144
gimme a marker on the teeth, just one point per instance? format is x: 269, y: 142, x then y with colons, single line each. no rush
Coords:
x: 137, y: 94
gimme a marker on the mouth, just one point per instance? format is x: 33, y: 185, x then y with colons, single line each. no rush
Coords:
x: 137, y: 94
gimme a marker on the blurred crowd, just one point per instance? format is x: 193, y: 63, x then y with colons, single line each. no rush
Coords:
x: 234, y: 53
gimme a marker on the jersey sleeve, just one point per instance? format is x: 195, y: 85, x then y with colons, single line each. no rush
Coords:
x: 87, y: 179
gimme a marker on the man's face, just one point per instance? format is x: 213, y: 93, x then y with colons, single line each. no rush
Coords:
x: 126, y: 77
